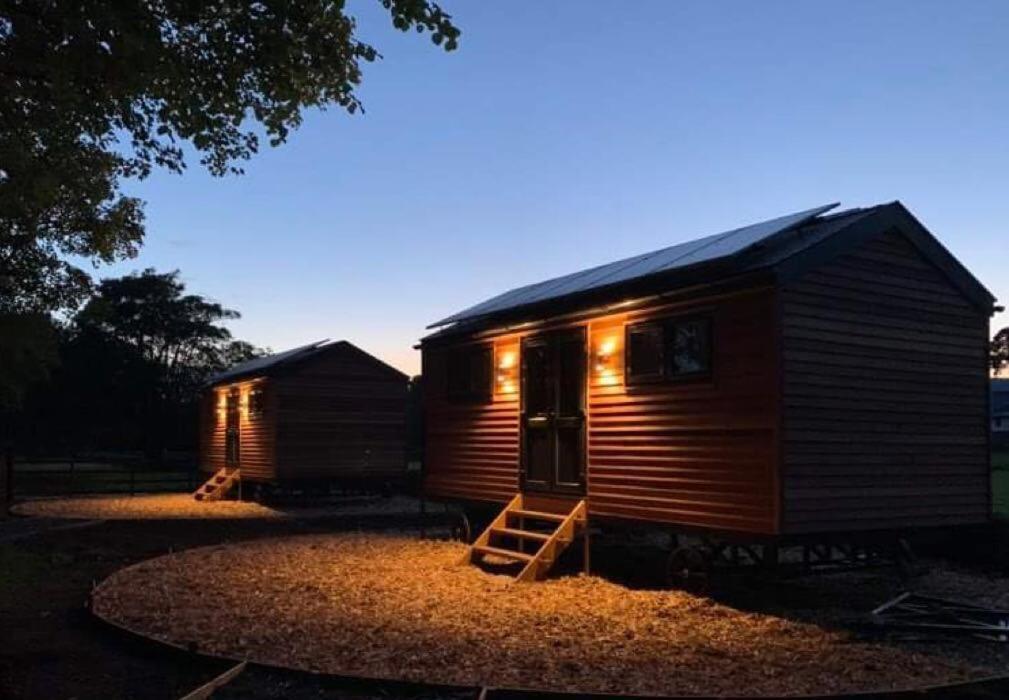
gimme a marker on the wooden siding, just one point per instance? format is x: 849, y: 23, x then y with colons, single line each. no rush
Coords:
x: 472, y: 449
x: 884, y: 395
x: 256, y: 433
x: 341, y: 415
x: 697, y: 453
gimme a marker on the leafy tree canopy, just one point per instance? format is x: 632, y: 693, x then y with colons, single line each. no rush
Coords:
x: 94, y: 92
x: 177, y: 335
x: 1000, y: 351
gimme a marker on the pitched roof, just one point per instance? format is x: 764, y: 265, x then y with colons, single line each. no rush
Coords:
x: 675, y: 257
x: 805, y: 237
x: 268, y: 364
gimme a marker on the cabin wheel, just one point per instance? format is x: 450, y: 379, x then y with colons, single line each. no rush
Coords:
x: 907, y: 563
x: 461, y: 531
x: 689, y: 568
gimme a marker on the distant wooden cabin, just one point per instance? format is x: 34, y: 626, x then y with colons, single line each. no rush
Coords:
x: 814, y: 373
x: 323, y: 413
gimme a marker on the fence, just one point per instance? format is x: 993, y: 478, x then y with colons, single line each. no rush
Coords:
x: 68, y: 476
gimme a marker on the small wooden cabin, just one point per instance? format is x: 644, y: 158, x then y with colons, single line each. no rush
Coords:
x: 820, y: 372
x: 322, y: 413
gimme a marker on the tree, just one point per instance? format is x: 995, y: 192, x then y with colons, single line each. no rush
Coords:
x: 156, y: 345
x: 27, y: 354
x: 1000, y: 351
x: 94, y: 92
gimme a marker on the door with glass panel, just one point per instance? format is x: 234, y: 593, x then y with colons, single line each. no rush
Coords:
x: 553, y: 412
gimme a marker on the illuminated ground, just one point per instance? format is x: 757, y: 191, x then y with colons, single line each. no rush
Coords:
x: 184, y: 506
x: 399, y: 607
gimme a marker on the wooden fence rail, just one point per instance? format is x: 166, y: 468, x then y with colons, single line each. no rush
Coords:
x: 78, y: 476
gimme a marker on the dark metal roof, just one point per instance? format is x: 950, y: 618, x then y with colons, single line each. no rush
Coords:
x: 266, y: 363
x: 787, y: 245
x: 269, y: 364
x: 679, y: 256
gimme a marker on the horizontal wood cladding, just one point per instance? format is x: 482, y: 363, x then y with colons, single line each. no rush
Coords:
x: 700, y: 452
x: 341, y: 415
x: 472, y: 448
x: 257, y: 436
x: 884, y: 395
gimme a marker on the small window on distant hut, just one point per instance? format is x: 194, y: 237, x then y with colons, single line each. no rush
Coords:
x: 469, y: 373
x: 257, y: 402
x: 668, y: 350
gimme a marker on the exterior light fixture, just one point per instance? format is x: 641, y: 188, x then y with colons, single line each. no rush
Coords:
x: 604, y: 369
x: 505, y: 372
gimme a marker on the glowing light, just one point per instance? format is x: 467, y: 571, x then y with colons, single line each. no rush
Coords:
x: 505, y: 377
x: 606, y: 373
x: 506, y: 361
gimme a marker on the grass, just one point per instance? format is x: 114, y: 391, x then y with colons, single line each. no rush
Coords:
x: 1000, y: 460
x: 58, y: 478
x: 1000, y: 483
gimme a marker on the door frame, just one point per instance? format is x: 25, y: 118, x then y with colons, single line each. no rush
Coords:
x: 553, y: 338
x: 233, y: 426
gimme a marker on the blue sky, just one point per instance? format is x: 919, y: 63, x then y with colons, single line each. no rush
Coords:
x: 566, y: 134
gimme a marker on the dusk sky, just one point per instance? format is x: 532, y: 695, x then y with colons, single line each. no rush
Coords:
x: 566, y: 134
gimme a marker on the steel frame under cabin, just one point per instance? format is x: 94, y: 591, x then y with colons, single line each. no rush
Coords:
x: 319, y: 415
x: 843, y: 399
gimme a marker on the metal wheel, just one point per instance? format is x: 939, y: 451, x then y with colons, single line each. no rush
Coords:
x: 908, y: 566
x: 461, y: 531
x: 689, y: 569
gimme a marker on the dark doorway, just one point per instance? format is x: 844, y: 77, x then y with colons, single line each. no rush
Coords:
x: 232, y: 434
x: 553, y: 412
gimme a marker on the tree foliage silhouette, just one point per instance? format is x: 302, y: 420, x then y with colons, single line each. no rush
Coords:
x: 94, y: 92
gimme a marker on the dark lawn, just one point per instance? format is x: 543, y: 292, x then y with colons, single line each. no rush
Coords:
x: 1000, y: 483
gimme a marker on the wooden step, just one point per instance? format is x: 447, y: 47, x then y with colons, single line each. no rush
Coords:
x: 538, y: 515
x: 506, y: 553
x: 524, y: 534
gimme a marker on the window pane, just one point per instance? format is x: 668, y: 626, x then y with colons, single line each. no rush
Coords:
x: 469, y: 373
x: 257, y: 403
x: 690, y: 351
x: 537, y: 379
x: 644, y: 352
x: 571, y: 382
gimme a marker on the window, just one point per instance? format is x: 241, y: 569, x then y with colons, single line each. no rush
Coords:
x: 644, y: 353
x: 257, y: 402
x: 668, y: 350
x: 469, y: 373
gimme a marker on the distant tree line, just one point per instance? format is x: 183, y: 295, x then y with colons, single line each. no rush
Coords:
x: 124, y: 372
x: 1000, y: 351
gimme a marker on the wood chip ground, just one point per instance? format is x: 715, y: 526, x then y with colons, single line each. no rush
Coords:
x: 397, y: 607
x: 184, y: 506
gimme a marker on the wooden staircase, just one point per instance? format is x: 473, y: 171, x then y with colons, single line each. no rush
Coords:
x: 217, y: 487
x: 539, y: 527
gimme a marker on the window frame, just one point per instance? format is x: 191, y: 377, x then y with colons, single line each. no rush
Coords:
x: 667, y: 327
x: 463, y: 356
x: 257, y: 412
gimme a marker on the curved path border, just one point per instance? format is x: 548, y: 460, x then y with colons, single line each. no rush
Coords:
x: 981, y: 688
